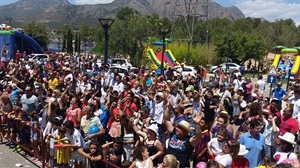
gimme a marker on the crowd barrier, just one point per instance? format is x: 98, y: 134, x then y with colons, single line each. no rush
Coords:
x: 43, y: 144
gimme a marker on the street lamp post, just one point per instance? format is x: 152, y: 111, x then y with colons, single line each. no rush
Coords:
x: 228, y: 52
x: 257, y: 58
x: 164, y: 32
x: 106, y: 23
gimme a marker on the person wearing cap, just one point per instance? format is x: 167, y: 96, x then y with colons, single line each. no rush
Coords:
x: 53, y: 81
x: 237, y: 83
x: 223, y: 92
x: 180, y: 143
x: 157, y: 107
x: 68, y: 75
x: 240, y: 161
x: 209, y: 107
x: 154, y: 146
x: 254, y: 141
x: 119, y: 86
x: 287, y: 155
x: 278, y: 93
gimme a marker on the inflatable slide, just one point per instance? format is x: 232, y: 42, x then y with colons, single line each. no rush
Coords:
x: 157, y: 57
x: 295, y: 68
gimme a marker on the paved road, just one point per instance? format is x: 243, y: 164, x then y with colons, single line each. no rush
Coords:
x: 9, y: 159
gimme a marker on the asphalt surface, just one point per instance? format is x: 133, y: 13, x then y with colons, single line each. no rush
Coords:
x: 10, y: 159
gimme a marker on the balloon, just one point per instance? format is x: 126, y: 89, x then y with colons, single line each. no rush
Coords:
x: 93, y: 129
x: 201, y: 165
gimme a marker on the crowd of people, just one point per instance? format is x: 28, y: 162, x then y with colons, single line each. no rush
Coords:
x: 89, y: 114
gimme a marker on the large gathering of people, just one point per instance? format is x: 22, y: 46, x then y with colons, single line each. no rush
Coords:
x: 89, y: 116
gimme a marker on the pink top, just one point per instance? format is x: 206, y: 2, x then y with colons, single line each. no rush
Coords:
x: 71, y: 115
x: 249, y: 88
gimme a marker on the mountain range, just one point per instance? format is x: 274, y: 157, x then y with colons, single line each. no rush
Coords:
x: 58, y: 12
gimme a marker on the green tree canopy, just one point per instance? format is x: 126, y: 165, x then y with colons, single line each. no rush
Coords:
x: 38, y: 32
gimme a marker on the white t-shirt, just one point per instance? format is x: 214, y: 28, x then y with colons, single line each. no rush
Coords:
x: 270, y: 136
x: 225, y: 160
x: 119, y: 87
x: 296, y: 110
x: 85, y: 86
x: 216, y: 146
x: 262, y: 85
x: 237, y: 84
x: 77, y: 139
x: 157, y: 111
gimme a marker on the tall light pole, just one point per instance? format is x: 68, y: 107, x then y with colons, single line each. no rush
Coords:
x: 228, y: 52
x: 164, y: 32
x: 106, y: 23
x: 257, y: 58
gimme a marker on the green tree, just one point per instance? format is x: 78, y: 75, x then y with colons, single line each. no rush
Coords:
x: 38, y: 32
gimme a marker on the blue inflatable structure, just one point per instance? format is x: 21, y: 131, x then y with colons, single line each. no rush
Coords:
x: 14, y: 40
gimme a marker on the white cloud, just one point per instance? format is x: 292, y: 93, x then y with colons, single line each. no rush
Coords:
x: 270, y: 9
x: 81, y: 2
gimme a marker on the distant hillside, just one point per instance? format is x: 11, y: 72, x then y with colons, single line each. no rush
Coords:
x: 58, y: 12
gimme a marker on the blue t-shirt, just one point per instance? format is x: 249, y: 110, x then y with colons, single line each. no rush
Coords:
x: 255, y: 146
x: 279, y: 93
x: 104, y: 117
x: 14, y: 94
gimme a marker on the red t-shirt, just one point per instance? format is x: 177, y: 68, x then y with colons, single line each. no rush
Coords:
x: 133, y: 107
x: 115, y: 112
x: 240, y: 163
x: 17, y: 55
x: 288, y: 125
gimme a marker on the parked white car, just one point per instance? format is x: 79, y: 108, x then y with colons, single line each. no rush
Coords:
x: 230, y: 66
x: 185, y: 71
x: 121, y: 70
x: 120, y: 62
x: 38, y: 57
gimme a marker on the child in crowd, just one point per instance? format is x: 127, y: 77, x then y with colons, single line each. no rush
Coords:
x: 114, y: 151
x: 201, y: 149
x: 62, y: 154
x: 34, y: 134
x: 93, y: 154
x: 239, y: 161
x: 216, y: 144
x: 270, y: 132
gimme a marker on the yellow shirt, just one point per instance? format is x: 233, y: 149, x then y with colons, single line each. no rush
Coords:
x: 52, y: 83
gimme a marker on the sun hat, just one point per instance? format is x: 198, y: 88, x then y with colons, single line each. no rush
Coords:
x: 186, y: 103
x: 154, y: 128
x: 185, y: 125
x: 241, y: 88
x: 160, y: 94
x: 288, y: 137
x: 243, y: 151
x: 201, y: 165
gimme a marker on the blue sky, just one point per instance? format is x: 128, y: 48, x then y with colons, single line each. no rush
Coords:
x: 267, y: 9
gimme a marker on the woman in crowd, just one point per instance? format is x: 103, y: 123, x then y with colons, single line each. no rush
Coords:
x: 142, y: 159
x: 169, y: 161
x: 221, y: 122
x: 230, y: 149
x: 73, y: 113
x: 287, y: 155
